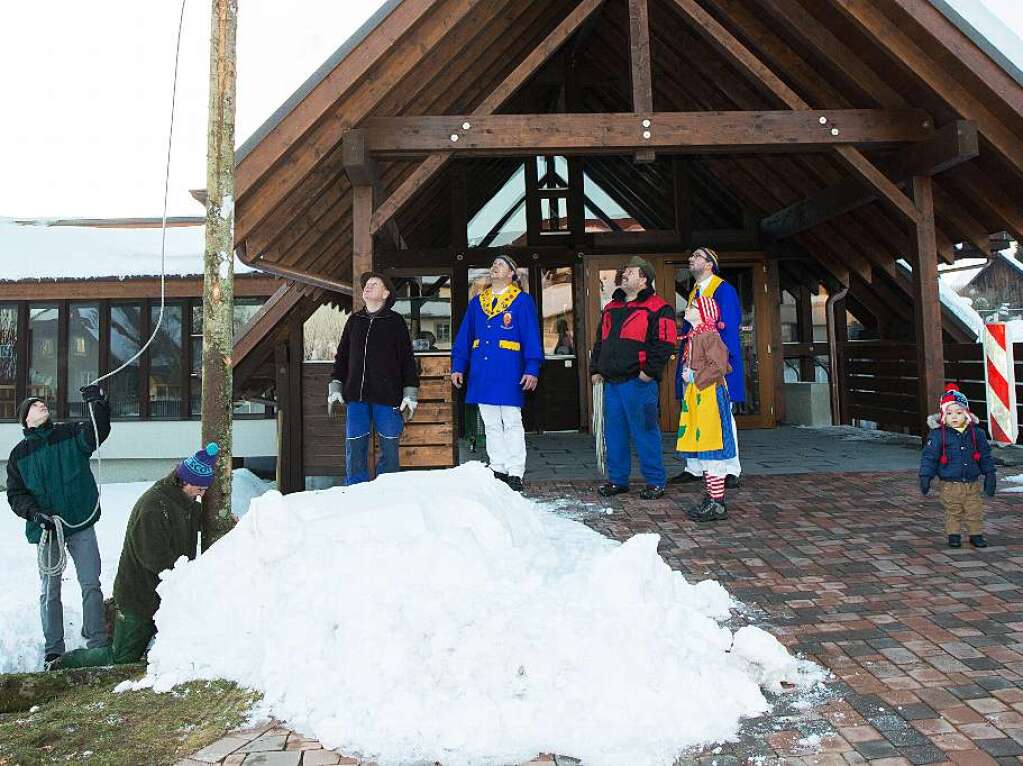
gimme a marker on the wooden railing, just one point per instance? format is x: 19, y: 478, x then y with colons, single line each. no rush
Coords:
x: 879, y: 381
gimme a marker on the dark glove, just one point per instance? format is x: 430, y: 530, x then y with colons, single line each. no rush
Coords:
x: 989, y: 484
x: 925, y: 484
x: 44, y: 520
x: 91, y: 393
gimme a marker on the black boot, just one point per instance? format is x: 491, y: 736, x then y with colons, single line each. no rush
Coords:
x: 955, y: 541
x: 652, y: 492
x: 684, y: 478
x: 500, y: 476
x: 610, y: 489
x: 978, y: 541
x: 731, y: 481
x: 52, y: 662
x: 714, y: 510
x: 697, y: 510
x: 515, y: 482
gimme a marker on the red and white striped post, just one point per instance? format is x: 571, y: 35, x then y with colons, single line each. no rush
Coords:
x: 1000, y: 382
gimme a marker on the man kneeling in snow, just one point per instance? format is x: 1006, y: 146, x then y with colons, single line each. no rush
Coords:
x: 163, y: 526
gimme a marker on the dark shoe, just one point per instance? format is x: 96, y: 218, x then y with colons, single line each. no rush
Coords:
x: 955, y: 541
x: 978, y: 541
x: 697, y: 510
x: 714, y: 510
x: 52, y: 662
x: 731, y: 481
x: 651, y: 492
x: 500, y: 476
x: 684, y: 478
x: 515, y: 482
x: 611, y: 489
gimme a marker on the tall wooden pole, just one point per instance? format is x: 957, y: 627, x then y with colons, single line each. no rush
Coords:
x: 218, y: 286
x: 930, y: 353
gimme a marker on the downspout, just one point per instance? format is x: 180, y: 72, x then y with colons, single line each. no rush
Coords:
x: 829, y: 310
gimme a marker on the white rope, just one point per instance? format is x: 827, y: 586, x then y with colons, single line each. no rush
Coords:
x: 47, y: 567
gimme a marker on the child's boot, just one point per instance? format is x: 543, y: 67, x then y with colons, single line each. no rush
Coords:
x: 978, y: 541
x: 955, y: 541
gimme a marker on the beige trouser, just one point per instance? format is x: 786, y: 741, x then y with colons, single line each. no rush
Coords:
x: 962, y: 502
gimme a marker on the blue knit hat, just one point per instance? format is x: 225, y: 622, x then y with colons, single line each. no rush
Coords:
x: 197, y: 470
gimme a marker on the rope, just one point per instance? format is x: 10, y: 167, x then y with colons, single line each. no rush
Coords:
x: 47, y: 567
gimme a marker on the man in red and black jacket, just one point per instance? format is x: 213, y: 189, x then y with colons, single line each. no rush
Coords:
x: 635, y: 339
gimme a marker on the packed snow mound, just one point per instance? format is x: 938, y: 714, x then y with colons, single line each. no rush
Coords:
x: 439, y: 616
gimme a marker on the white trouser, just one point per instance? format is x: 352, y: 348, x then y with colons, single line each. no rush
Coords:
x: 506, y: 438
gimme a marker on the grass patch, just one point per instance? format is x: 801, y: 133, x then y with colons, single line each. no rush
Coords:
x: 91, y: 724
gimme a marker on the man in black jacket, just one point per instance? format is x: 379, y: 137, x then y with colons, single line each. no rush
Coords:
x: 375, y: 376
x: 49, y: 482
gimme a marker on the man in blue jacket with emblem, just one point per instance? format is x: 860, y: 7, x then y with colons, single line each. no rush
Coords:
x: 499, y: 343
x: 703, y: 265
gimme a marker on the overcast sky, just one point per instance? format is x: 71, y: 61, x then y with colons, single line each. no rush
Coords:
x: 87, y: 92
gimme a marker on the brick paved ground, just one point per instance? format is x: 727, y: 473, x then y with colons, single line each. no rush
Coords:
x: 926, y: 643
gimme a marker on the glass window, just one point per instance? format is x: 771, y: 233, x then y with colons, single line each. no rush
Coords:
x: 125, y: 341
x: 8, y: 362
x: 82, y: 353
x: 165, y: 360
x: 558, y: 313
x: 42, y: 358
x: 502, y: 219
x: 789, y: 322
x: 425, y: 303
x: 244, y: 310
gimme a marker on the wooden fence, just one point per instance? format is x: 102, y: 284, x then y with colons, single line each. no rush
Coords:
x: 428, y: 440
x: 880, y: 381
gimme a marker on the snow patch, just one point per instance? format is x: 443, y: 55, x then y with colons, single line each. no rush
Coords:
x: 438, y: 615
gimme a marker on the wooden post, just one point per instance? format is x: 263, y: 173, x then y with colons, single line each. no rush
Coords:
x: 218, y: 285
x: 639, y: 55
x: 683, y: 201
x: 362, y: 240
x: 459, y: 207
x: 930, y: 354
x: 804, y: 323
x: 288, y: 379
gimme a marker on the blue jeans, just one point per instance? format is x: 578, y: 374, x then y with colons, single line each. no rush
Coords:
x: 360, y: 418
x: 630, y: 413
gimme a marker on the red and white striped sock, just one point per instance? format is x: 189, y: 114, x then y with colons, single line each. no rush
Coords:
x: 715, y: 486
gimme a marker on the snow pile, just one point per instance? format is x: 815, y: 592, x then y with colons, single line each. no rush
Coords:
x: 1015, y: 483
x: 440, y: 616
x: 21, y: 637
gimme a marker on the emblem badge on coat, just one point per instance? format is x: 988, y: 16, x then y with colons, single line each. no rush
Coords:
x: 507, y: 320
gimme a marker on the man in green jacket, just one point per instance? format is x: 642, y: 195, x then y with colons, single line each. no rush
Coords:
x: 163, y: 526
x: 49, y: 482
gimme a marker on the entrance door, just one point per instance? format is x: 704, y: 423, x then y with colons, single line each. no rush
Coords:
x: 673, y: 284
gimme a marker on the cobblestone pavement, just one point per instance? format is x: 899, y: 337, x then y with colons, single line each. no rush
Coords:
x: 925, y: 643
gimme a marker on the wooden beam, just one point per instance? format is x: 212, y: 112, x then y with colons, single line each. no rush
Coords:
x: 616, y: 133
x: 683, y: 201
x: 639, y: 57
x: 362, y: 171
x: 926, y: 301
x: 951, y: 145
x: 362, y: 239
x: 916, y: 62
x: 508, y: 87
x: 740, y: 56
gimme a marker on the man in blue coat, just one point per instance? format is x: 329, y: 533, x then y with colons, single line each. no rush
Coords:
x: 499, y: 343
x: 703, y: 265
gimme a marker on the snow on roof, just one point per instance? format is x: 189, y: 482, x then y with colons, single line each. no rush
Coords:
x: 959, y: 274
x: 44, y: 249
x: 954, y: 302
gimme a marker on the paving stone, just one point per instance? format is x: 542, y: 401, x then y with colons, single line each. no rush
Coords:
x: 320, y: 758
x: 923, y: 754
x: 875, y: 749
x: 265, y: 743
x: 274, y: 758
x: 220, y: 749
x: 1001, y: 747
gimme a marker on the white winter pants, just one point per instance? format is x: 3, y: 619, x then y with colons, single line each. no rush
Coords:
x: 506, y: 438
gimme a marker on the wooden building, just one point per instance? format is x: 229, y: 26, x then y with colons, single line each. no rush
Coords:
x: 836, y: 145
x: 78, y: 298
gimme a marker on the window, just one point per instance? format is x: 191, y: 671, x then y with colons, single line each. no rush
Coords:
x: 165, y: 363
x: 244, y: 310
x: 125, y: 341
x: 558, y: 316
x: 83, y: 353
x: 42, y: 353
x: 789, y: 320
x: 425, y: 303
x: 8, y: 362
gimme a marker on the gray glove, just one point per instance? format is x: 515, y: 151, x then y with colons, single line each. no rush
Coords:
x: 335, y: 400
x: 409, y: 403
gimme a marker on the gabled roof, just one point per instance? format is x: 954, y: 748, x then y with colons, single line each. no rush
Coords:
x: 420, y: 57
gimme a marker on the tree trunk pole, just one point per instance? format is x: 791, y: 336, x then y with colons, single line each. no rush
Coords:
x: 218, y: 285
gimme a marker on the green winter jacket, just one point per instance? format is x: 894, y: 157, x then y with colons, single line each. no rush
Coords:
x: 48, y: 471
x: 164, y: 525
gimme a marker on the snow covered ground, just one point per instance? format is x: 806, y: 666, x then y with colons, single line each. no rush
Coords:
x: 1012, y: 483
x: 21, y: 647
x: 440, y: 616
